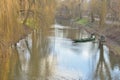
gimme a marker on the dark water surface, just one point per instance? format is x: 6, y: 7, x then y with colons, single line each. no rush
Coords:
x: 67, y: 60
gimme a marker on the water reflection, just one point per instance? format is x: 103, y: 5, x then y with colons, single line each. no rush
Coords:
x: 103, y: 68
x: 85, y: 61
x: 64, y: 59
x: 33, y: 66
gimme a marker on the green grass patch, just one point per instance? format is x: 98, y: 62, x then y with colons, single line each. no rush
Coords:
x: 82, y: 21
x: 30, y: 23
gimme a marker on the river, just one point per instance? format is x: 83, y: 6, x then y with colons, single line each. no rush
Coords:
x: 66, y: 60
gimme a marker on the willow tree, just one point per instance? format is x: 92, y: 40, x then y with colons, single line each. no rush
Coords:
x: 99, y: 8
x: 114, y: 9
x: 73, y: 9
x: 11, y: 30
x: 13, y: 26
x: 102, y: 12
x: 93, y: 7
x: 8, y: 28
x: 40, y: 21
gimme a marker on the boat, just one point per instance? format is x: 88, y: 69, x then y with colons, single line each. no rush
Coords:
x: 92, y: 38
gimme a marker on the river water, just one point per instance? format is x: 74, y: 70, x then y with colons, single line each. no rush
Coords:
x: 67, y: 60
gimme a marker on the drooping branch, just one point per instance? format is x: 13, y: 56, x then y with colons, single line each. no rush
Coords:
x: 29, y: 8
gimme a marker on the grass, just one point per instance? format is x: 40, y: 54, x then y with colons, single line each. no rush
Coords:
x: 30, y: 23
x: 82, y: 21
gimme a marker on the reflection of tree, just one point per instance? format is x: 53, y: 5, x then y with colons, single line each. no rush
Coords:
x: 114, y: 59
x: 41, y: 64
x: 115, y: 65
x: 102, y: 70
